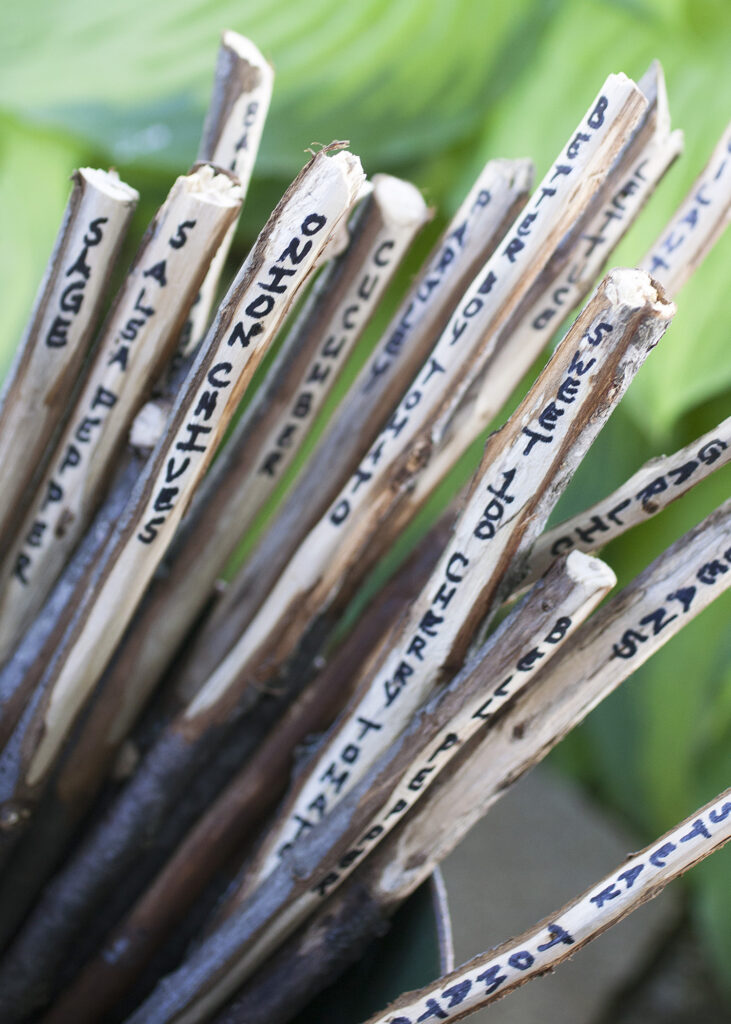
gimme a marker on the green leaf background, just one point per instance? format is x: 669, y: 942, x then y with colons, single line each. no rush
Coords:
x: 428, y: 89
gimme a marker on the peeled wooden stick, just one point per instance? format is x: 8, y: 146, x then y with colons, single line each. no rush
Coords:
x: 652, y: 488
x: 267, y: 437
x: 524, y: 470
x: 136, y: 342
x: 640, y: 878
x: 424, y: 472
x: 247, y: 320
x: 232, y: 819
x: 472, y: 235
x: 237, y: 112
x: 599, y: 657
x: 44, y: 374
x: 530, y: 634
x: 645, y: 158
x: 698, y: 223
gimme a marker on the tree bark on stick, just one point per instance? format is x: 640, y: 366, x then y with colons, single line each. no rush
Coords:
x: 641, y: 876
x: 45, y: 372
x: 227, y: 827
x: 137, y: 341
x: 286, y: 252
x: 581, y: 675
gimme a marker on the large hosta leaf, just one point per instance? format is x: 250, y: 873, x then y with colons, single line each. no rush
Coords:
x: 400, y: 79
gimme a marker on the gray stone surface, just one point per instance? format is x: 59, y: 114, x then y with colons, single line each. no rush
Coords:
x: 541, y: 845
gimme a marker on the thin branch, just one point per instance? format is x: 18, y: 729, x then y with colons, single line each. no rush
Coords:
x: 639, y: 878
x: 42, y: 379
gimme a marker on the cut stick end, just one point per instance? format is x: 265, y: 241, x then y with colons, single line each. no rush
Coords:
x: 109, y: 184
x: 347, y: 164
x: 587, y: 570
x: 401, y: 203
x: 636, y: 289
x: 212, y: 185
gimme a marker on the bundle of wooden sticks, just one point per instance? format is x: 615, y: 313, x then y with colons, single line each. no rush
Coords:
x: 169, y: 852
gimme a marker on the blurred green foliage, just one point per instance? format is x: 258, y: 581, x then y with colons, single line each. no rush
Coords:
x: 428, y: 89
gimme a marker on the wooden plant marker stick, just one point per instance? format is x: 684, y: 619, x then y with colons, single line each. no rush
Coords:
x: 698, y: 223
x: 41, y: 381
x: 339, y: 544
x: 237, y: 112
x: 541, y: 624
x: 525, y: 468
x: 676, y: 587
x: 136, y: 342
x: 651, y: 489
x: 234, y: 816
x: 491, y: 205
x: 285, y: 252
x: 639, y: 878
x: 639, y: 168
x: 267, y: 437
